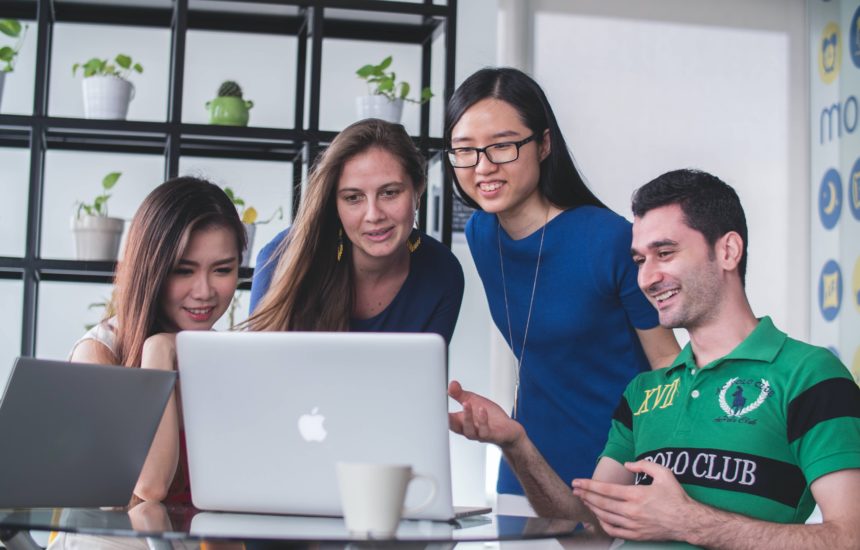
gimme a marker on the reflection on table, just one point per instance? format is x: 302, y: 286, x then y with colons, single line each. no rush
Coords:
x: 154, y: 524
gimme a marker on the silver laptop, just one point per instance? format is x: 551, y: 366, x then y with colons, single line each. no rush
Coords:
x: 75, y: 434
x: 267, y: 416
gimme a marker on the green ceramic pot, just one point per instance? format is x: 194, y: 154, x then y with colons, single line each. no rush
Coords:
x: 229, y: 111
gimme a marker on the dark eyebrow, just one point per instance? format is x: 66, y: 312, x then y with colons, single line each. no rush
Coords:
x: 224, y: 261
x: 655, y: 244
x: 383, y: 186
x: 662, y: 243
x: 502, y: 134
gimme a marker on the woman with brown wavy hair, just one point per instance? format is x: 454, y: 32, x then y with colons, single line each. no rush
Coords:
x: 353, y: 261
x: 178, y: 272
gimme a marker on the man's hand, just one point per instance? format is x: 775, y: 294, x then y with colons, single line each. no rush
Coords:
x: 482, y: 419
x: 639, y: 512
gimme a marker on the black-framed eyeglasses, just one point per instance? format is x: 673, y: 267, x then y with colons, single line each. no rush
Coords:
x: 497, y: 153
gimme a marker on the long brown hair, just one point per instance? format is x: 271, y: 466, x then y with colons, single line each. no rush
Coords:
x: 157, y: 238
x: 311, y: 289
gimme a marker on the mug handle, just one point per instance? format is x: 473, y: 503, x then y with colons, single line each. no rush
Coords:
x: 249, y: 104
x: 132, y: 91
x: 430, y: 498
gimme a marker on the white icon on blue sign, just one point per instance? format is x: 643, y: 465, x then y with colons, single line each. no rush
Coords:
x: 830, y: 199
x: 830, y: 290
x: 854, y: 189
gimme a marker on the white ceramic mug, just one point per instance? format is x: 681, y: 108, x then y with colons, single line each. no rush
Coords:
x: 372, y: 496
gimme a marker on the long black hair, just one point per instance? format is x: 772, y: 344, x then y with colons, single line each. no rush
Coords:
x: 560, y: 181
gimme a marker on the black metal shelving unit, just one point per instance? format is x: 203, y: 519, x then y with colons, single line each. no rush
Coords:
x: 310, y: 21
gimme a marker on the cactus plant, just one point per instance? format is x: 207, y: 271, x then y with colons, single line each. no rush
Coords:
x: 229, y: 88
x: 229, y: 108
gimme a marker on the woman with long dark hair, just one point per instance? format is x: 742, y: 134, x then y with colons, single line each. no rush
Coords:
x: 555, y: 264
x: 178, y: 272
x: 353, y: 261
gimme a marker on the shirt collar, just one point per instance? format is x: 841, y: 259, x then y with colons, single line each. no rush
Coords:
x: 762, y: 344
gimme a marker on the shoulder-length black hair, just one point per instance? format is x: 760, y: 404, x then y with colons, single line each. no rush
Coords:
x: 560, y: 181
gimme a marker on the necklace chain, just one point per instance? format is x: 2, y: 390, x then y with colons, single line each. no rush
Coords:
x: 508, y: 311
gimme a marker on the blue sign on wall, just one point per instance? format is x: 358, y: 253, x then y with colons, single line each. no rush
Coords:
x: 830, y: 290
x: 830, y: 199
x: 854, y: 38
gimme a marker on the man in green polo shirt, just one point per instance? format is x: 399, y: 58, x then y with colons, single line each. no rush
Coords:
x: 733, y: 444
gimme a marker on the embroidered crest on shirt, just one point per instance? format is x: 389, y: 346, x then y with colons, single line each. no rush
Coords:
x: 738, y: 397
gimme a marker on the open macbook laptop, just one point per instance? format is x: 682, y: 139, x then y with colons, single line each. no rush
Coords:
x: 75, y: 434
x: 268, y: 415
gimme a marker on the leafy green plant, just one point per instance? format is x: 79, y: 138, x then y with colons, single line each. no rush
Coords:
x: 382, y: 82
x: 13, y: 29
x: 121, y: 67
x: 249, y: 213
x: 99, y: 205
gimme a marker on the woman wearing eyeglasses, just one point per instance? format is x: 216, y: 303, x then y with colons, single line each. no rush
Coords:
x: 555, y: 264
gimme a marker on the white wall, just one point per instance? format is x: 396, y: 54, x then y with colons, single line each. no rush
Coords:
x: 643, y: 88
x: 469, y: 353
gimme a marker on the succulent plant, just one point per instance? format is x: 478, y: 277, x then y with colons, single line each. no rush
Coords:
x: 230, y: 89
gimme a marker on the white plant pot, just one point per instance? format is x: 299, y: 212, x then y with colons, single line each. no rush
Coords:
x: 250, y: 231
x: 379, y: 106
x: 2, y: 80
x: 107, y: 97
x: 97, y: 237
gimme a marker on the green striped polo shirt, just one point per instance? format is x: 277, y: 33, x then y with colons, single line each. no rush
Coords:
x: 748, y: 432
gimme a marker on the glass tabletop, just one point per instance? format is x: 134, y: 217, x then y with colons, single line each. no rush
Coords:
x: 154, y: 520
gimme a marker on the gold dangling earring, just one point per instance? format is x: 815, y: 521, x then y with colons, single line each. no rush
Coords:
x: 339, y: 244
x: 414, y: 241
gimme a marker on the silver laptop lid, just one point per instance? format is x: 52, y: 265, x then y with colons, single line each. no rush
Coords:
x: 267, y: 416
x: 75, y: 434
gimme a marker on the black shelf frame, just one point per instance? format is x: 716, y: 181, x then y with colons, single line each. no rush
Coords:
x: 310, y: 21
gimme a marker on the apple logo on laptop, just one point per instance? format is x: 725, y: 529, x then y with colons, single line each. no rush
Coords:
x: 311, y: 426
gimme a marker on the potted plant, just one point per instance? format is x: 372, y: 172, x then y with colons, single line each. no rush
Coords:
x: 248, y: 214
x: 387, y: 95
x: 97, y: 236
x: 106, y: 86
x: 229, y: 109
x: 13, y: 29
